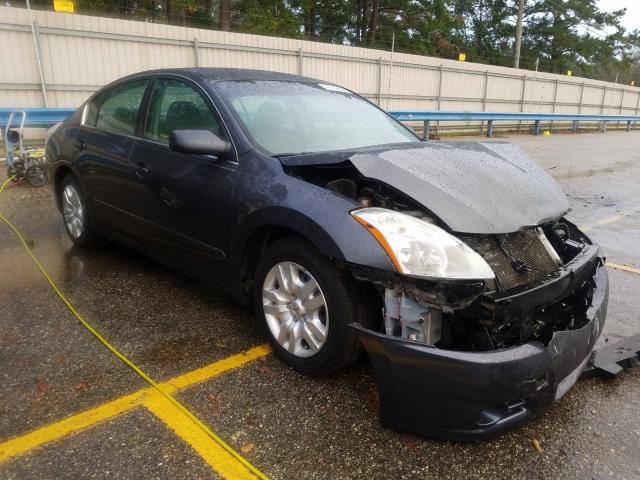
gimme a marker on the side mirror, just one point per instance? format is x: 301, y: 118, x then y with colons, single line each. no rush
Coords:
x: 199, y: 142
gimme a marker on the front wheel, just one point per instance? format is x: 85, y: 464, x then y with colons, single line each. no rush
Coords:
x: 75, y: 213
x: 305, y: 304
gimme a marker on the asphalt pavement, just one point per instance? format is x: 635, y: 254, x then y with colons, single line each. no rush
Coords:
x: 70, y: 409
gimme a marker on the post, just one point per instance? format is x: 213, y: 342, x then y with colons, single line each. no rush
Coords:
x: 635, y: 124
x: 300, y: 61
x: 553, y: 105
x: 484, y: 98
x: 581, y: 98
x: 490, y: 128
x: 439, y: 97
x: 516, y: 60
x: 196, y: 51
x: 524, y: 89
x: 621, y: 103
x: 426, y: 128
x: 36, y: 42
x: 536, y: 127
x: 604, y: 96
x: 393, y: 49
x: 379, y: 86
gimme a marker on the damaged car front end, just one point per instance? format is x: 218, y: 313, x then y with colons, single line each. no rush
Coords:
x: 496, y: 300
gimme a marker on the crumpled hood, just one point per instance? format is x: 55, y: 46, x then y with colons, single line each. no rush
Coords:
x: 473, y: 187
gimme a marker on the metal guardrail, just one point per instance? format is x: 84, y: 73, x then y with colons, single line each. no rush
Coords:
x: 490, y: 117
x: 37, y: 117
x: 47, y: 117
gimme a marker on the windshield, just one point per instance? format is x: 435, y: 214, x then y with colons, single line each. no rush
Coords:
x: 291, y: 117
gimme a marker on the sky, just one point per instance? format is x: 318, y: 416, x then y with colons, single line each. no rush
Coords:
x: 631, y: 20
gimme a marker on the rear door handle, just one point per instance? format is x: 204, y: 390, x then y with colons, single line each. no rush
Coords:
x: 81, y: 145
x: 141, y: 170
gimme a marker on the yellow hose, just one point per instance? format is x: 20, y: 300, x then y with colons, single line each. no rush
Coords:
x: 123, y: 358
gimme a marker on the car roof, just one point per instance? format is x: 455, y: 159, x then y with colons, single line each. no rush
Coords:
x: 221, y: 74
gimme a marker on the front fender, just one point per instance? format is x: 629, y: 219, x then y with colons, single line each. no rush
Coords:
x: 267, y: 197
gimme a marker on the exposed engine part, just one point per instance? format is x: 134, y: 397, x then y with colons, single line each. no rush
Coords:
x: 465, y: 317
x: 517, y: 264
x: 547, y: 244
x: 343, y: 186
x: 347, y: 181
x: 365, y: 201
x: 566, y: 239
x: 440, y: 295
x: 404, y: 317
x: 517, y: 258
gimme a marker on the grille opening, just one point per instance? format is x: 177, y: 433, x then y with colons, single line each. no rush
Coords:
x: 516, y: 258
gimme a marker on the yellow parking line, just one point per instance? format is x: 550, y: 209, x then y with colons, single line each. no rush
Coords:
x: 93, y: 416
x: 80, y: 421
x: 612, y: 219
x: 211, y: 452
x: 205, y: 373
x: 626, y: 268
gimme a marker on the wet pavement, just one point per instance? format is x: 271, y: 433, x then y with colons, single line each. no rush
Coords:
x: 286, y: 424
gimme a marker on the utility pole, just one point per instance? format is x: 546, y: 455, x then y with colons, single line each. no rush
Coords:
x: 393, y: 47
x: 36, y: 44
x: 516, y: 61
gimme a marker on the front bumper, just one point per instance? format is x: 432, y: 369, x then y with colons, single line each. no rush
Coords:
x: 468, y: 396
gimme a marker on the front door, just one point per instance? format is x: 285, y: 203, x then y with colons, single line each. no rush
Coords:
x: 183, y: 202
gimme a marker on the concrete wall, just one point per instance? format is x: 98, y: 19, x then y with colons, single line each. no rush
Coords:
x: 80, y: 54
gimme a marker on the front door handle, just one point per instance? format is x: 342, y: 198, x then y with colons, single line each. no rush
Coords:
x: 141, y: 170
x: 81, y: 145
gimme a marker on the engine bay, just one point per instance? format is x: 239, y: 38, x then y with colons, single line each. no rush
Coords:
x: 463, y: 315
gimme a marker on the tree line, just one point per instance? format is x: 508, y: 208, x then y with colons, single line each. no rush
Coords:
x: 558, y: 35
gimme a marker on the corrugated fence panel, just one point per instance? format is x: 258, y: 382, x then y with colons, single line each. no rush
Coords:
x: 80, y: 54
x: 505, y: 89
x: 593, y: 95
x: 19, y: 63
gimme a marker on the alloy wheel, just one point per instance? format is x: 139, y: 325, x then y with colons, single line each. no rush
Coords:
x: 295, y: 309
x: 73, y: 211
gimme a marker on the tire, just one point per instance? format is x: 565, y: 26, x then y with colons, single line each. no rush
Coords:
x: 11, y: 172
x: 77, y: 220
x: 344, y: 303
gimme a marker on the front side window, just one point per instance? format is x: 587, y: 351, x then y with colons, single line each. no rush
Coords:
x: 285, y: 118
x: 116, y: 109
x: 176, y: 105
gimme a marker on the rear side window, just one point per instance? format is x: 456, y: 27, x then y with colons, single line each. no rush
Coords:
x: 116, y: 109
x: 176, y: 105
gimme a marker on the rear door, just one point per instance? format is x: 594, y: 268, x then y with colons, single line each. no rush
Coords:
x: 183, y: 202
x: 103, y: 144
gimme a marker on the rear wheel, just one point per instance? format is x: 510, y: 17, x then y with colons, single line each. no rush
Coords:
x: 305, y: 304
x: 75, y: 214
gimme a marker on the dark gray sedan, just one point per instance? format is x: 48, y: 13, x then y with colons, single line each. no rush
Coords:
x: 450, y: 262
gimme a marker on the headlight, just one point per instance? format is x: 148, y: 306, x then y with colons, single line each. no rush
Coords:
x: 420, y: 248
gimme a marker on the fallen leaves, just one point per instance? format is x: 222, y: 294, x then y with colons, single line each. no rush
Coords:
x: 42, y: 387
x: 536, y: 445
x: 214, y: 401
x: 82, y: 386
x: 266, y: 371
x: 247, y: 447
